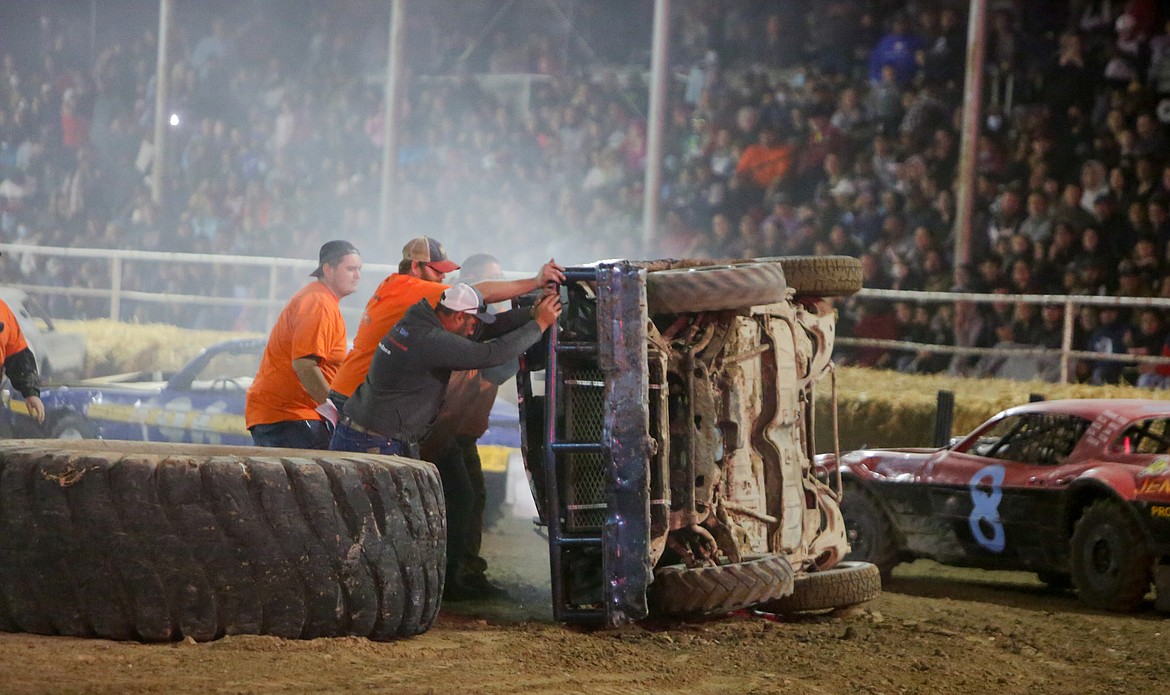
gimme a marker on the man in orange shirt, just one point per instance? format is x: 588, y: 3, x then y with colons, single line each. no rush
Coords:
x: 304, y: 350
x: 420, y: 275
x: 766, y: 161
x: 19, y: 363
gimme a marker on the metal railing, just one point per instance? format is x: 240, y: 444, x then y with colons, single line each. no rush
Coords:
x: 1070, y: 304
x: 280, y: 272
x: 283, y: 275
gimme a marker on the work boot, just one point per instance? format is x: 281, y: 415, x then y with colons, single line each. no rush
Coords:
x: 457, y: 591
x: 486, y: 588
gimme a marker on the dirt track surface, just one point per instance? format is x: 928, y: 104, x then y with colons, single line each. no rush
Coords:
x: 934, y: 630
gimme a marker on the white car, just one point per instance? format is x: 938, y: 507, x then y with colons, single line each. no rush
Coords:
x: 60, y: 355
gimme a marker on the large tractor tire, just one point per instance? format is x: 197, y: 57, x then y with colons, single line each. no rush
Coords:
x: 822, y: 276
x: 714, y: 288
x: 156, y: 542
x: 846, y: 584
x: 681, y: 591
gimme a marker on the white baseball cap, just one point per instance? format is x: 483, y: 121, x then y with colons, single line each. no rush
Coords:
x: 464, y: 298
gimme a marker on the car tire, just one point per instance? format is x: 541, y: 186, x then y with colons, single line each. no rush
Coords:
x: 155, y: 542
x: 714, y: 288
x: 678, y: 590
x: 71, y: 426
x: 1112, y: 566
x: 846, y: 584
x: 871, y: 535
x: 822, y: 276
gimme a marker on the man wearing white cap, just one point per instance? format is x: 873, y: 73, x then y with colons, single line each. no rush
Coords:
x: 392, y: 410
x: 420, y: 275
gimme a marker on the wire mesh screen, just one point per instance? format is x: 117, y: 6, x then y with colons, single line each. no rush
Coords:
x: 584, y: 394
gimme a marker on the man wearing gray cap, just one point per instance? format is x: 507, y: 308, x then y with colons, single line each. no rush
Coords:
x: 306, y: 346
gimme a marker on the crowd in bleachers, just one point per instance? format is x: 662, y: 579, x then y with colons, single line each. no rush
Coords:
x: 792, y: 128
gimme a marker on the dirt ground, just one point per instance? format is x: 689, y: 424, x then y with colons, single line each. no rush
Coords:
x: 934, y: 629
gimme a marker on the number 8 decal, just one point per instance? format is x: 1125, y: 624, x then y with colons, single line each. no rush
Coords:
x: 985, y: 508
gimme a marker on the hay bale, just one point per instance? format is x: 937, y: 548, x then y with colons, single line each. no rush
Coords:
x: 879, y: 408
x: 114, y: 348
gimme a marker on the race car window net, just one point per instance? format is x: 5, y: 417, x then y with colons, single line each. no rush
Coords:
x: 1042, y: 439
x: 1145, y: 437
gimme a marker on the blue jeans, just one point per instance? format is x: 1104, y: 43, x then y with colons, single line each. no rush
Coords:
x: 346, y: 438
x: 294, y: 434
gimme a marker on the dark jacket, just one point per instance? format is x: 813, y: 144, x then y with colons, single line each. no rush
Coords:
x: 408, y: 375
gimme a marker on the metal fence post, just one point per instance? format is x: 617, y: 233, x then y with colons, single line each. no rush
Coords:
x: 944, y: 418
x: 270, y: 312
x: 1066, y: 339
x: 116, y: 289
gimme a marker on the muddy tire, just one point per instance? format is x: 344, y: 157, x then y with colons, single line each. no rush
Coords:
x: 714, y: 288
x: 847, y: 584
x: 157, y: 542
x: 1112, y: 567
x: 681, y: 591
x: 870, y: 533
x: 822, y: 276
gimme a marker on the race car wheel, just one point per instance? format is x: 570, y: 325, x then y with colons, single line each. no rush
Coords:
x: 156, y: 542
x: 678, y: 590
x: 714, y: 288
x: 1111, y: 564
x: 70, y: 425
x: 846, y: 584
x: 823, y: 276
x: 868, y: 529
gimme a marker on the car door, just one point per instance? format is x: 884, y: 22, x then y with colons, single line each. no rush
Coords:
x: 998, y: 495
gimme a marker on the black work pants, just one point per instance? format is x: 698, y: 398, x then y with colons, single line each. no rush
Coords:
x: 462, y: 475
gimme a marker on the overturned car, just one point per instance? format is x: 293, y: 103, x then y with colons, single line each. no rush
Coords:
x: 667, y: 433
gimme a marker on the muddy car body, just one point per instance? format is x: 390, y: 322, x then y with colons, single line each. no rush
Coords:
x: 666, y: 427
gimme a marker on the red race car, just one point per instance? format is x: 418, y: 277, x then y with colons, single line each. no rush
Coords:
x: 1077, y: 491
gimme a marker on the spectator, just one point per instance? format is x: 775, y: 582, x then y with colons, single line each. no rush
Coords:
x: 1147, y: 340
x: 1069, y: 83
x: 1108, y: 337
x: 898, y: 51
x: 1094, y: 183
x: 874, y: 323
x: 971, y: 330
x: 766, y: 161
x: 1037, y: 226
x: 886, y: 101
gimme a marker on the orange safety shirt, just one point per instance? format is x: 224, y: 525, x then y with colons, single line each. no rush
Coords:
x: 11, y: 338
x: 764, y: 164
x: 311, y: 324
x: 394, y: 296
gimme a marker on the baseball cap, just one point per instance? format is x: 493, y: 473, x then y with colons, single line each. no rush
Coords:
x: 466, y: 299
x: 427, y: 250
x: 331, y: 253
